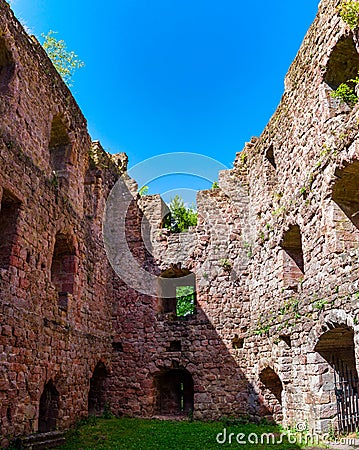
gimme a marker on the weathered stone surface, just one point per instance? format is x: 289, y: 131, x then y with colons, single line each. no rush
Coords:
x: 274, y: 254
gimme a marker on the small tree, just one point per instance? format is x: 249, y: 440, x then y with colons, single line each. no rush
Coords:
x: 65, y: 62
x: 180, y: 217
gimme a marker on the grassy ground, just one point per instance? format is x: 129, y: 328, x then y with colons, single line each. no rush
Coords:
x: 140, y: 434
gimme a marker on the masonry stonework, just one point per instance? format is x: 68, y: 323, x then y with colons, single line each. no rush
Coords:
x: 273, y: 259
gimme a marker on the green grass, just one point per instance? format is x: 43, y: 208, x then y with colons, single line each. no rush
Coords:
x: 142, y: 434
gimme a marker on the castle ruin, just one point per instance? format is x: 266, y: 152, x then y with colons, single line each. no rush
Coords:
x: 274, y: 260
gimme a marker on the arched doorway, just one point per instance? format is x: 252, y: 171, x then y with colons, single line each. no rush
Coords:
x: 49, y: 408
x: 339, y: 380
x: 174, y: 392
x: 96, y: 396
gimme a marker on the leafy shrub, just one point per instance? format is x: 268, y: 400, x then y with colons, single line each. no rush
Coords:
x: 346, y: 94
x: 349, y: 12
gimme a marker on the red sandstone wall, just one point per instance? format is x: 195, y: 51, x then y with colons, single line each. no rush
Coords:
x: 41, y: 339
x: 280, y: 312
x: 249, y: 318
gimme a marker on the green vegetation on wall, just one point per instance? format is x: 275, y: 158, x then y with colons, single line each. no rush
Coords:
x: 349, y: 12
x: 345, y: 93
x: 143, y: 191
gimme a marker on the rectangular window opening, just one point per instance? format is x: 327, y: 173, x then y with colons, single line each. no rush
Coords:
x: 9, y: 213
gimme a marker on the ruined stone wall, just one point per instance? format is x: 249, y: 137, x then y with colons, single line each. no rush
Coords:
x: 55, y: 323
x: 274, y: 255
x: 156, y: 343
x: 285, y: 220
x: 314, y: 188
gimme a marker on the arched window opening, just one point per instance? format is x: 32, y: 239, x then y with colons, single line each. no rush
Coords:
x: 117, y: 346
x: 63, y: 267
x: 96, y: 396
x: 342, y: 67
x: 343, y: 63
x: 339, y: 379
x: 272, y: 382
x: 177, y: 291
x: 270, y: 156
x: 293, y: 260
x: 49, y: 408
x: 346, y: 197
x: 174, y: 393
x: 60, y: 146
x: 272, y: 389
x: 7, y: 65
x: 9, y: 213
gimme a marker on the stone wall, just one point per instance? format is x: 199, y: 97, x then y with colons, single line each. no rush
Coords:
x: 55, y: 281
x: 314, y: 141
x: 274, y: 258
x: 285, y: 220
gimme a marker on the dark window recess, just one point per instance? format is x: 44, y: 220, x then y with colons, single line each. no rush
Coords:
x: 174, y: 392
x: 293, y: 260
x: 49, y: 408
x: 60, y: 146
x: 175, y: 346
x: 270, y: 156
x: 285, y: 338
x: 63, y: 301
x: 9, y: 213
x: 96, y: 396
x: 7, y: 65
x: 237, y: 342
x: 63, y: 267
x: 117, y: 346
x: 346, y: 193
x: 9, y: 415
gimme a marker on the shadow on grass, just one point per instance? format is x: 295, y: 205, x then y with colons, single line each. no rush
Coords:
x: 142, y: 434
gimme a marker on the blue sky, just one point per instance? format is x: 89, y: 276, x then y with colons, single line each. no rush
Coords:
x: 176, y: 76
